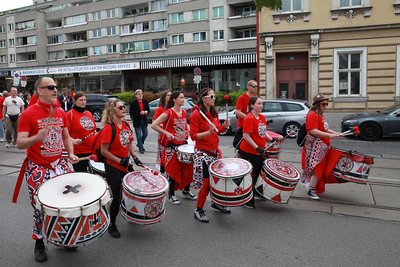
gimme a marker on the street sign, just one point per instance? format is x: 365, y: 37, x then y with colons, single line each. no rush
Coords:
x: 197, y: 79
x: 197, y: 71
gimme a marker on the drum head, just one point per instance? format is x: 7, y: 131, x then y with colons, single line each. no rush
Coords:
x: 186, y: 148
x: 281, y: 169
x: 230, y: 167
x: 145, y: 183
x: 97, y: 165
x: 71, y: 190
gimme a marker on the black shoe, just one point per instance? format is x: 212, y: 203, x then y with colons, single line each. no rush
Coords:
x: 250, y: 205
x: 201, y: 216
x: 141, y: 151
x: 113, y: 231
x: 40, y: 251
x: 221, y: 208
x: 71, y: 249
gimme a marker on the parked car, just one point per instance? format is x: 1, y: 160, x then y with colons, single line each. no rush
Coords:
x: 188, y: 106
x: 95, y: 104
x: 385, y: 123
x: 284, y: 115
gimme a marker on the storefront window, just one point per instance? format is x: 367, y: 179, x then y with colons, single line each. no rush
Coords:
x: 156, y: 84
x: 101, y: 84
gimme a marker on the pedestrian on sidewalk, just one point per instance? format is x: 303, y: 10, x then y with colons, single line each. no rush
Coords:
x: 316, y: 146
x: 176, y: 132
x: 43, y: 132
x: 13, y: 106
x: 138, y: 110
x: 66, y: 100
x: 206, y: 149
x: 2, y: 129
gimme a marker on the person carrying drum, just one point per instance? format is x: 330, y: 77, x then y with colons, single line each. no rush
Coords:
x: 82, y: 129
x: 255, y: 136
x: 43, y: 132
x: 175, y: 132
x: 162, y: 106
x: 316, y: 146
x: 116, y: 153
x: 206, y: 148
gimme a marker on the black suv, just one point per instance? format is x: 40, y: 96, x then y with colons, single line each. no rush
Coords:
x: 95, y: 104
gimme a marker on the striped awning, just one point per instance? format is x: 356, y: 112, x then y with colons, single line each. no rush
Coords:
x: 199, y: 61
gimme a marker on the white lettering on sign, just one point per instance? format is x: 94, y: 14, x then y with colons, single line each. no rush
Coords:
x: 189, y: 62
x: 228, y: 60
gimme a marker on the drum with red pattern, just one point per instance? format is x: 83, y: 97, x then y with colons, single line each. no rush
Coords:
x: 144, y: 197
x: 231, y: 183
x: 352, y: 166
x: 277, y: 180
x: 274, y: 150
x: 75, y: 208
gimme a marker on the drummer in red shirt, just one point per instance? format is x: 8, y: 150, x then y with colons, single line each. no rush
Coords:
x: 206, y: 149
x: 176, y: 131
x: 255, y: 136
x: 242, y: 104
x: 116, y: 154
x: 43, y: 132
x: 82, y: 129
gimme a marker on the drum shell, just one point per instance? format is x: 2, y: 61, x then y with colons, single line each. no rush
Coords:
x: 275, y: 186
x: 231, y: 191
x: 274, y: 150
x: 143, y: 208
x: 97, y: 168
x: 185, y: 153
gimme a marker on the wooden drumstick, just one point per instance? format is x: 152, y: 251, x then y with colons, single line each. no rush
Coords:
x: 205, y: 117
x: 148, y: 169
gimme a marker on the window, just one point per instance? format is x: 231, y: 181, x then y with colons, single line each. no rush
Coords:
x: 135, y: 46
x: 111, y: 49
x: 25, y: 25
x: 96, y: 15
x: 293, y: 107
x: 29, y: 40
x: 200, y: 14
x: 177, y: 18
x: 3, y: 59
x: 135, y: 28
x: 350, y: 3
x: 158, y: 5
x: 350, y: 69
x: 199, y: 37
x: 218, y: 35
x: 272, y: 107
x: 398, y: 74
x: 160, y: 43
x: 160, y: 25
x: 12, y: 58
x: 31, y: 56
x: 74, y: 20
x: 2, y: 29
x: 246, y: 33
x: 291, y: 5
x: 110, y: 13
x: 57, y: 55
x: 111, y: 31
x: 56, y: 39
x: 11, y: 28
x: 3, y: 43
x: 218, y: 12
x: 245, y: 11
x: 176, y: 1
x: 11, y: 43
x: 177, y: 39
x: 96, y: 33
x: 97, y: 50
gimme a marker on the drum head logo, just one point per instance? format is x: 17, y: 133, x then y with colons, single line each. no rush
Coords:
x: 262, y: 130
x: 345, y: 164
x: 86, y: 123
x: 153, y: 209
x: 124, y: 138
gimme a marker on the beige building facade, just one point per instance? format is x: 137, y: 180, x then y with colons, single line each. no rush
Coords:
x: 348, y: 50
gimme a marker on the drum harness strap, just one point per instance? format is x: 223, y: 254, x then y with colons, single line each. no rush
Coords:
x: 18, y: 184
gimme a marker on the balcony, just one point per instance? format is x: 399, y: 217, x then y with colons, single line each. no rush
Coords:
x: 135, y: 10
x: 76, y: 53
x: 76, y: 37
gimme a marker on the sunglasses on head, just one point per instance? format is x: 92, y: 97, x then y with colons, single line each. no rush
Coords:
x: 49, y: 87
x: 121, y: 107
x: 254, y: 85
x: 210, y: 96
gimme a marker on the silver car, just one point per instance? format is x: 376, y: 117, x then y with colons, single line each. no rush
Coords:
x: 284, y: 115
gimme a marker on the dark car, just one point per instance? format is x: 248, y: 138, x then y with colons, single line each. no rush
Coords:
x: 385, y: 123
x: 95, y: 104
x: 188, y: 106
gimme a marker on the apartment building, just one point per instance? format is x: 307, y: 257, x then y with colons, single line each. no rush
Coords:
x: 348, y: 50
x: 118, y: 45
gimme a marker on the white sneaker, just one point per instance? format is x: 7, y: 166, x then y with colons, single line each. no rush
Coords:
x: 1, y: 140
x: 189, y: 195
x: 174, y: 200
x: 7, y: 145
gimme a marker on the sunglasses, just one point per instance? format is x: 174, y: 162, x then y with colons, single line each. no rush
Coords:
x: 121, y: 107
x: 210, y: 96
x: 254, y: 86
x: 324, y: 104
x: 49, y: 87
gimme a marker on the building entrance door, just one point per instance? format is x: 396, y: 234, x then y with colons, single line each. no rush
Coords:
x: 292, y: 75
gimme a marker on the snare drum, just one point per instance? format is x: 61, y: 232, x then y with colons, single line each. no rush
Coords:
x: 274, y: 150
x: 185, y: 153
x: 144, y: 197
x: 277, y: 180
x: 231, y: 183
x: 74, y: 208
x: 352, y: 166
x: 97, y: 168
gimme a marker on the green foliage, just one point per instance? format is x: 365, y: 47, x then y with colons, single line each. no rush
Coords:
x: 127, y: 96
x: 233, y: 96
x: 271, y: 4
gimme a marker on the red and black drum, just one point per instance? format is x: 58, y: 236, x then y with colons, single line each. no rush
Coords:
x: 231, y: 183
x: 74, y: 208
x: 274, y: 150
x: 144, y: 197
x: 351, y: 166
x: 277, y: 180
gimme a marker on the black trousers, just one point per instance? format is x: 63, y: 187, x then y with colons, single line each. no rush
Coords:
x: 81, y: 166
x: 257, y: 162
x: 114, y: 178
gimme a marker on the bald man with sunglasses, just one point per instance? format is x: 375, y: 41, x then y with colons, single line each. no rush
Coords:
x: 242, y: 104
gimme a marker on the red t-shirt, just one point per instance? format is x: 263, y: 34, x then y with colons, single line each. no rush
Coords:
x: 120, y: 146
x: 157, y: 113
x: 198, y: 125
x: 315, y: 121
x: 257, y: 128
x: 1, y: 106
x: 141, y: 105
x: 242, y: 104
x: 81, y: 125
x: 177, y: 125
x: 35, y: 118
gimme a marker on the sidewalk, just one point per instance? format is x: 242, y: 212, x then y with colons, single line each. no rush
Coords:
x: 375, y: 200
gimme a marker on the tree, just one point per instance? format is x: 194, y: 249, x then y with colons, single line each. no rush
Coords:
x: 267, y: 3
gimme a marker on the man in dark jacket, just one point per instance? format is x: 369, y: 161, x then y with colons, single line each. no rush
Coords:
x: 65, y: 100
x: 138, y: 110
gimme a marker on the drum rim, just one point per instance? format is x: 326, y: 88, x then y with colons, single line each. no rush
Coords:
x: 266, y: 169
x: 155, y: 193
x: 230, y: 176
x: 186, y: 145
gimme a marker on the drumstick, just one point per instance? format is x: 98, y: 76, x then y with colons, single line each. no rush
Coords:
x: 205, y: 117
x: 148, y: 169
x: 226, y: 98
x: 91, y: 157
x: 275, y: 141
x: 89, y: 135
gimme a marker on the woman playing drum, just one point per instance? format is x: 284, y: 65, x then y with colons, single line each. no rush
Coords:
x: 175, y: 132
x: 162, y: 106
x: 316, y: 145
x: 116, y: 154
x: 255, y: 136
x: 206, y: 148
x: 82, y: 129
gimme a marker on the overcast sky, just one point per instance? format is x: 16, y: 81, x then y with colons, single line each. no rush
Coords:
x: 11, y: 4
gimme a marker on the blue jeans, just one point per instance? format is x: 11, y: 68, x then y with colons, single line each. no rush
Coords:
x: 2, y: 129
x: 141, y: 134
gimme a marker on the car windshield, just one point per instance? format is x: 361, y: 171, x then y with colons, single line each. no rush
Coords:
x: 391, y: 109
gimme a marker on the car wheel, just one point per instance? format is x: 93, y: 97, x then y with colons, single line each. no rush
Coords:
x: 291, y: 128
x: 96, y: 115
x: 370, y: 131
